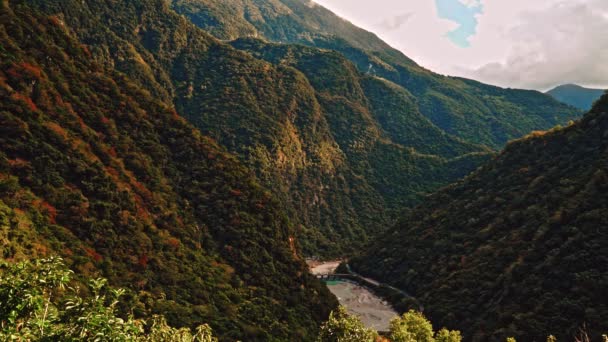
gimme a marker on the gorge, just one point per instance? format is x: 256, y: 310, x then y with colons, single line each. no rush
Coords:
x: 195, y: 152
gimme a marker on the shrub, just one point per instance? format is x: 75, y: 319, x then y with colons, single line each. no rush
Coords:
x: 38, y: 302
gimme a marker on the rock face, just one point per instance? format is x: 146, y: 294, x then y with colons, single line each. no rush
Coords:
x: 515, y: 249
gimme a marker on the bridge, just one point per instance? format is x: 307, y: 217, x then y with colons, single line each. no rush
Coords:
x: 335, y: 276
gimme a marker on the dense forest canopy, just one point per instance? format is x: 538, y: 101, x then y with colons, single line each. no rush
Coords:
x: 515, y: 249
x: 194, y: 152
x: 342, y: 149
x: 95, y: 169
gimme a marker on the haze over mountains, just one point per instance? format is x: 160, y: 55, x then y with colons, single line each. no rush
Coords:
x: 575, y: 95
x: 196, y: 151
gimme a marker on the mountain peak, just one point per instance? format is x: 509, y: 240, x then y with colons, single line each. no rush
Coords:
x: 576, y: 95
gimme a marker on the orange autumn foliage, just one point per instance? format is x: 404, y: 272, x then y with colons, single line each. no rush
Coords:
x: 32, y: 70
x: 47, y: 208
x: 55, y: 128
x: 28, y: 101
x: 93, y: 254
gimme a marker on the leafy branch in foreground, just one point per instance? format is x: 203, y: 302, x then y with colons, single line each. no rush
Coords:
x: 38, y: 303
x: 412, y: 326
x: 342, y: 327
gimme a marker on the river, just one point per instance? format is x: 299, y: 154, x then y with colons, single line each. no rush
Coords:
x: 373, y: 311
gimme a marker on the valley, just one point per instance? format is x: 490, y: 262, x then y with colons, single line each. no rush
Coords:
x: 186, y: 155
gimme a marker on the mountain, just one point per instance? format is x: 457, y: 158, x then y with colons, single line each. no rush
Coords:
x: 193, y: 151
x: 317, y: 145
x: 575, y: 95
x: 475, y: 112
x: 515, y: 249
x: 102, y: 172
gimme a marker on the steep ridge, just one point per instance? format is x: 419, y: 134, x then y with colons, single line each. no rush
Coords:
x: 473, y: 111
x: 377, y: 125
x: 94, y: 168
x: 515, y: 249
x: 268, y: 116
x: 313, y: 144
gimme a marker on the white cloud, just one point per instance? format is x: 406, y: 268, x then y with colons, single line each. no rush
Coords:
x: 519, y: 43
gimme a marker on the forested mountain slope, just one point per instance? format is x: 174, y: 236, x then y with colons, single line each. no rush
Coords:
x: 377, y: 124
x: 96, y: 169
x: 471, y: 110
x: 517, y: 248
x: 575, y: 95
x: 312, y: 142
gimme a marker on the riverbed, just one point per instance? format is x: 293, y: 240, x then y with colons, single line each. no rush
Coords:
x: 373, y: 311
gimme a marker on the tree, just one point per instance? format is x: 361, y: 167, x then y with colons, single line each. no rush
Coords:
x: 342, y: 327
x: 414, y: 327
x: 38, y: 303
x: 411, y: 327
x: 445, y: 335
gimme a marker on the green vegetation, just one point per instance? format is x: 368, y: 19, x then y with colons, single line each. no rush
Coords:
x: 412, y: 326
x: 470, y: 110
x: 310, y: 134
x: 577, y: 96
x: 39, y: 302
x: 343, y: 150
x: 515, y: 249
x: 195, y: 173
x: 342, y: 327
x: 95, y: 169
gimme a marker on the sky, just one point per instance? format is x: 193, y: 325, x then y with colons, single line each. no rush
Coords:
x: 531, y: 44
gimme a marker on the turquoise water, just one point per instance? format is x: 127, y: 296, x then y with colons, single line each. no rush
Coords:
x: 332, y: 282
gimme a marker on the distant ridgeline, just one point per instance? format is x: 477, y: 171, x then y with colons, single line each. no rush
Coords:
x: 395, y: 122
x: 344, y: 147
x: 518, y: 247
x: 195, y: 171
x: 577, y: 96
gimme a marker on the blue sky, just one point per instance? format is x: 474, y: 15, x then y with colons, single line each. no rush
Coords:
x: 464, y: 15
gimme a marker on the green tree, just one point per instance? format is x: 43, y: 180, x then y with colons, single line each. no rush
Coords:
x: 445, y: 335
x: 411, y: 327
x: 342, y: 327
x: 37, y: 303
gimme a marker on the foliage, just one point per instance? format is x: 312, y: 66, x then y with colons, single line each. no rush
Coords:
x: 38, y: 302
x: 445, y: 335
x: 515, y: 249
x: 304, y: 148
x: 342, y: 327
x: 412, y: 326
x: 97, y: 165
x: 470, y: 110
x: 106, y: 174
x: 577, y: 96
x: 342, y: 150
